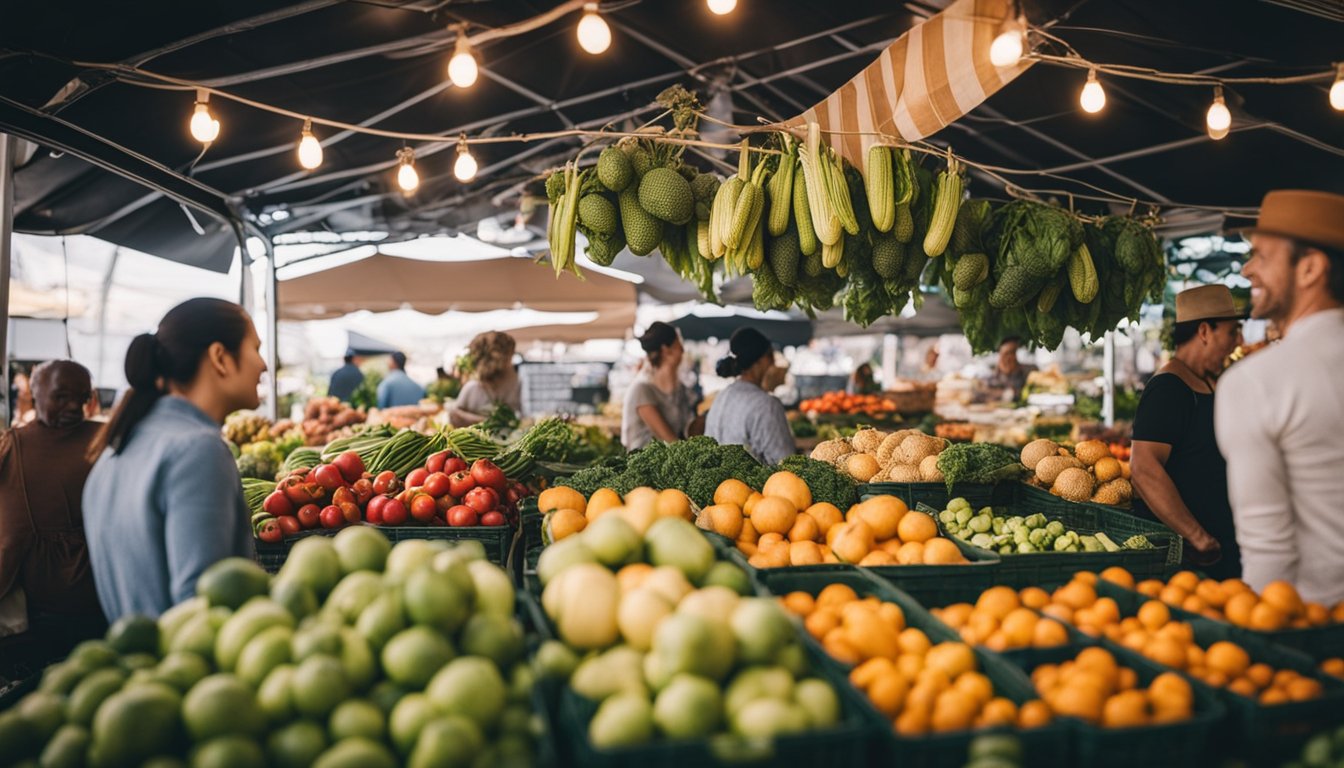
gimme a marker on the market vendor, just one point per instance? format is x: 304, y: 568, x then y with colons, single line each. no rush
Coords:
x: 744, y: 413
x: 346, y: 379
x: 1009, y: 376
x: 397, y: 389
x: 1179, y: 476
x: 1280, y: 415
x: 164, y: 500
x: 861, y: 382
x: 494, y: 380
x: 44, y: 558
x: 657, y: 405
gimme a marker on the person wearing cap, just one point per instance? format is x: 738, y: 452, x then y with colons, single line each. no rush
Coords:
x: 1178, y: 474
x: 745, y: 414
x: 346, y: 379
x: 1280, y: 414
x: 657, y: 405
x: 397, y: 388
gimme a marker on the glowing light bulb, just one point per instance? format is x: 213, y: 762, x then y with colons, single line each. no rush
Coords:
x: 1337, y: 90
x: 1093, y: 97
x: 1006, y: 50
x: 204, y: 126
x: 310, y: 150
x: 465, y: 166
x: 407, y: 178
x: 722, y: 7
x: 594, y: 34
x: 462, y: 69
x: 1218, y: 118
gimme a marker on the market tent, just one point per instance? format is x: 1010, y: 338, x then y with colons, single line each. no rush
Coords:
x: 935, y: 318
x: 360, y: 344
x: 382, y: 283
x: 791, y: 329
x: 615, y: 322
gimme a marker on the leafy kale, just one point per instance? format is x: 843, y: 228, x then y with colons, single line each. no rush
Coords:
x: 827, y: 484
x: 978, y: 463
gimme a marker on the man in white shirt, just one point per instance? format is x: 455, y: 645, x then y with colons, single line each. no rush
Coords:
x: 1279, y: 416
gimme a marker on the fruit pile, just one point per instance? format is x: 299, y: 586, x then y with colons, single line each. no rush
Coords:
x: 324, y: 418
x: 840, y: 402
x: 679, y: 652
x: 1025, y: 535
x: 1089, y: 473
x: 921, y: 686
x: 443, y: 492
x: 874, y: 456
x: 1001, y: 619
x: 781, y: 526
x: 357, y: 653
x: 1277, y: 607
x: 1096, y: 689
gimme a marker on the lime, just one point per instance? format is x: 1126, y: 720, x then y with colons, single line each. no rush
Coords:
x: 16, y: 739
x: 317, y: 637
x: 42, y: 712
x: 274, y: 698
x: 408, y: 718
x: 91, y: 692
x: 296, y: 745
x: 228, y: 752
x: 437, y: 600
x: 356, y: 753
x: 498, y: 638
x: 296, y: 597
x: 356, y: 717
x: 353, y: 594
x: 357, y: 660
x: 268, y: 650
x: 182, y: 670
x: 470, y: 686
x: 382, y: 619
x: 413, y: 655
x: 313, y: 561
x: 136, y: 724
x: 407, y: 557
x: 232, y: 582
x: 447, y: 742
x: 61, y: 678
x: 360, y: 548
x: 67, y: 749
x: 248, y: 622
x: 220, y: 705
x: 136, y: 661
x: 689, y: 707
x: 134, y: 634
x: 318, y: 685
x: 385, y: 694
x: 94, y: 654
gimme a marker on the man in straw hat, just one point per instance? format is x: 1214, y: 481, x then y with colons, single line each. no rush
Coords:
x: 1280, y: 413
x: 1179, y: 476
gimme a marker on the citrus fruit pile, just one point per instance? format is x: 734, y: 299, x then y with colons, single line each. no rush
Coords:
x: 1277, y: 607
x: 1095, y: 688
x: 1002, y: 619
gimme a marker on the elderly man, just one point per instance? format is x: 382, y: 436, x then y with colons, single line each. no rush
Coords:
x: 43, y: 466
x: 1280, y: 413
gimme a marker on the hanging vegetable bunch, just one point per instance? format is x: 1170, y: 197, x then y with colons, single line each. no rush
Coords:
x: 813, y: 232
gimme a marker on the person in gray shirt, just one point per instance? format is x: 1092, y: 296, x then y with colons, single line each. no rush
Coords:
x: 164, y: 500
x: 744, y: 414
x: 657, y: 405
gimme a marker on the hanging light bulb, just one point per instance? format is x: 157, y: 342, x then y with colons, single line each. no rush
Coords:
x: 594, y: 34
x: 462, y: 69
x: 310, y: 150
x: 1006, y: 50
x: 465, y: 166
x: 204, y: 126
x: 722, y: 7
x: 1218, y: 118
x: 1093, y: 97
x: 407, y: 178
x: 1337, y: 90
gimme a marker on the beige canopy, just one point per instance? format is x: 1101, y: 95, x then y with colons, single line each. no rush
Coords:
x: 382, y: 283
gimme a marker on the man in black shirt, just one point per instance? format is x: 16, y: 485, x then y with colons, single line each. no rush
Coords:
x: 1179, y: 476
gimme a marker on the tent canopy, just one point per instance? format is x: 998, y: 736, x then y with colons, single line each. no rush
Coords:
x: 710, y: 322
x: 360, y: 344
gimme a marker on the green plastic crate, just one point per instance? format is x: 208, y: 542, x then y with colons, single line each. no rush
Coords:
x: 1047, y: 746
x: 271, y: 556
x: 546, y: 692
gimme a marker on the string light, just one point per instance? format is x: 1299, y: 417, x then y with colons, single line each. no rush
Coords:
x: 310, y: 150
x: 1006, y: 50
x: 722, y: 7
x: 1337, y: 90
x: 465, y: 166
x: 594, y: 34
x: 1218, y: 118
x: 407, y: 178
x: 462, y: 68
x: 204, y: 126
x: 1093, y: 97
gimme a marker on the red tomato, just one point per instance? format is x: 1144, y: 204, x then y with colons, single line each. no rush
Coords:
x: 437, y: 522
x: 459, y: 483
x: 289, y: 525
x: 423, y: 507
x: 363, y: 489
x: 270, y: 532
x: 386, y: 482
x: 436, y: 484
x: 350, y: 511
x: 481, y: 499
x: 435, y: 462
x: 301, y: 493
x: 343, y: 495
x: 374, y: 511
x: 331, y: 516
x: 329, y: 477
x: 417, y: 477
x: 309, y: 516
x: 462, y: 516
x: 493, y: 518
x: 484, y: 472
x: 394, y: 512
x: 278, y: 504
x: 444, y: 503
x: 350, y: 465
x: 453, y: 464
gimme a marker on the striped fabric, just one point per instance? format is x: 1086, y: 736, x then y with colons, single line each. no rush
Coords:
x: 929, y: 77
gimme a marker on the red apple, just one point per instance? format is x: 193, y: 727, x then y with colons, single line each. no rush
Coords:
x: 462, y: 516
x: 331, y: 516
x: 289, y: 525
x: 394, y: 512
x: 423, y: 507
x: 350, y: 465
x: 481, y: 499
x: 459, y: 483
x: 436, y: 484
x: 309, y: 516
x: 492, y: 518
x: 278, y: 504
x: 484, y: 472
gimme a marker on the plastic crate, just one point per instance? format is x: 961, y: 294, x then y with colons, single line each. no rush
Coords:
x: 271, y: 556
x: 546, y: 691
x: 1046, y: 746
x: 1183, y: 744
x: 936, y: 495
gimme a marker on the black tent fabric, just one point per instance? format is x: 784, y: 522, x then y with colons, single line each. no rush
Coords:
x: 360, y: 344
x: 789, y: 331
x: 381, y: 64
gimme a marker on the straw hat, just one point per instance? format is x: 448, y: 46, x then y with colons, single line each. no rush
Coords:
x: 1313, y: 217
x: 1207, y: 302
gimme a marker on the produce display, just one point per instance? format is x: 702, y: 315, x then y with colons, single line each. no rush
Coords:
x: 1025, y: 535
x: 839, y: 402
x: 1089, y: 473
x: 356, y: 653
x: 922, y: 687
x: 325, y: 417
x: 1097, y: 689
x: 874, y: 456
x: 243, y: 427
x: 675, y: 649
x: 1278, y: 606
x: 985, y: 463
x: 1002, y: 619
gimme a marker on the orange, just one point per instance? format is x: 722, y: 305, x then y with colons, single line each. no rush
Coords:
x: 1304, y: 688
x: 723, y: 519
x: 883, y: 514
x: 1048, y: 634
x: 997, y: 712
x: 1283, y: 677
x: 1127, y: 679
x: 1058, y: 611
x: 1178, y: 631
x: 951, y: 658
x: 825, y: 515
x: 799, y: 603
x: 910, y: 553
x: 773, y: 514
x: 821, y: 621
x: 1076, y: 594
x: 1045, y: 678
x: 1211, y: 592
x: 1117, y: 575
x: 1194, y: 657
x: 836, y: 595
x: 1098, y: 660
x: 891, y: 547
x: 750, y: 503
x: 912, y: 722
x: 768, y: 540
x: 1033, y: 714
x: 956, y: 615
x: 562, y: 497
x: 954, y: 710
x: 980, y: 689
x: 789, y: 486
x: 1337, y: 613
x: 1125, y: 709
x: 1194, y: 604
x: 1136, y: 640
x: 1149, y: 587
x: 997, y: 642
x: 998, y: 602
x: 1333, y: 666
x: 804, y: 529
x: 1216, y: 679
x: 939, y: 551
x: 749, y: 534
x: 1243, y: 687
x: 1267, y: 618
x: 1186, y: 580
x: 910, y: 665
x: 1019, y: 627
x: 1083, y: 702
x: 804, y: 553
x: 1284, y: 597
x: 1172, y: 595
x: 732, y: 491
x: 1271, y: 696
x: 1261, y: 674
x: 866, y: 673
x: 1105, y: 611
x: 1228, y: 658
x: 888, y: 692
x: 565, y: 522
x: 878, y: 558
x: 1034, y: 598
x: 1167, y: 652
x: 916, y: 526
x: 1154, y: 614
x: 1171, y: 691
x: 892, y: 615
x: 836, y: 644
x: 1239, y: 606
x: 913, y: 641
x: 852, y: 541
x: 1087, y: 577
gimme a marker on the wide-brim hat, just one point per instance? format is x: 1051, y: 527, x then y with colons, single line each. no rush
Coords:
x: 1207, y: 302
x: 1307, y: 215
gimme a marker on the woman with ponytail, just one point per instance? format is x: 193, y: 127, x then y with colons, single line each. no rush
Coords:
x: 744, y: 413
x: 657, y: 405
x: 164, y: 500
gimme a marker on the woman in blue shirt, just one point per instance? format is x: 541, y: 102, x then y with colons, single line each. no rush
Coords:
x: 164, y: 501
x: 744, y: 413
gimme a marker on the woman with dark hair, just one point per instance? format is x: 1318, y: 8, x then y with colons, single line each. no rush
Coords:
x: 657, y: 404
x: 744, y: 413
x: 164, y: 501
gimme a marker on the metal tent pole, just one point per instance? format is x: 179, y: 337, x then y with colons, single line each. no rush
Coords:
x: 8, y: 147
x: 272, y: 333
x: 1108, y: 371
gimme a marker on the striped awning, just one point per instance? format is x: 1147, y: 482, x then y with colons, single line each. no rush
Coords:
x: 921, y: 83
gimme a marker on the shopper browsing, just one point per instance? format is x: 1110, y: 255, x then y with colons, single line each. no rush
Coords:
x: 494, y: 381
x: 164, y: 501
x: 1179, y: 476
x: 1280, y: 415
x: 744, y: 413
x: 397, y: 388
x: 657, y: 405
x: 1009, y: 376
x: 346, y: 379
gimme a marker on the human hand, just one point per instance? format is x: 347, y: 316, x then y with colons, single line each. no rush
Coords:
x: 1205, y: 552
